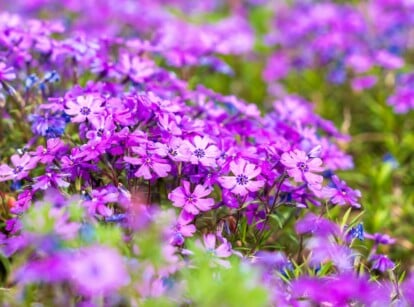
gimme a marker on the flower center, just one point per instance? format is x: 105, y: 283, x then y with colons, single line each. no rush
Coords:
x: 17, y: 169
x: 242, y: 179
x: 172, y: 152
x: 100, y: 132
x: 85, y: 111
x: 302, y: 166
x: 199, y: 153
x: 191, y: 199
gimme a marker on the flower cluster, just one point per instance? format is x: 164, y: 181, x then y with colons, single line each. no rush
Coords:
x: 128, y: 182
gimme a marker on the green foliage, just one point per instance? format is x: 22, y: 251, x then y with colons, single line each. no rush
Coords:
x: 210, y: 284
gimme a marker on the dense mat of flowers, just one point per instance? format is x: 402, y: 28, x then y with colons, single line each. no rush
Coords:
x: 125, y: 183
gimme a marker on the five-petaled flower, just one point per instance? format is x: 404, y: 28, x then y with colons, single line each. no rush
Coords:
x: 340, y: 194
x: 203, y: 151
x: 192, y: 201
x: 21, y: 167
x: 241, y: 183
x: 301, y: 167
x: 84, y: 108
x: 148, y: 162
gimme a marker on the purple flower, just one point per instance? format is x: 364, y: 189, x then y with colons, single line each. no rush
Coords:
x: 83, y: 108
x: 223, y: 250
x: 6, y: 73
x: 136, y: 68
x: 203, y: 151
x: 272, y: 261
x: 50, y: 179
x: 182, y: 228
x: 22, y: 166
x: 340, y: 194
x: 388, y: 60
x: 54, y: 148
x: 380, y: 238
x: 103, y: 128
x: 47, y: 124
x: 52, y: 269
x: 316, y: 225
x: 149, y: 162
x: 241, y: 183
x: 381, y: 263
x: 98, y: 270
x: 192, y: 202
x: 361, y: 83
x: 301, y: 167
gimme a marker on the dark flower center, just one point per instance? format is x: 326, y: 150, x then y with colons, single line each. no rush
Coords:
x: 172, y: 152
x: 199, y: 153
x: 191, y: 199
x: 17, y: 169
x: 242, y: 179
x: 94, y: 271
x: 148, y: 161
x: 303, y: 166
x: 100, y: 132
x: 85, y: 111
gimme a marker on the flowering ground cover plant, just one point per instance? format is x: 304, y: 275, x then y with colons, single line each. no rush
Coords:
x: 135, y: 172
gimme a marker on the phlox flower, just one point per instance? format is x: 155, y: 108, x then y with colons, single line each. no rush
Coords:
x: 136, y: 68
x: 203, y: 151
x: 22, y: 166
x: 301, y: 167
x: 316, y: 225
x: 223, y: 250
x: 6, y: 73
x: 98, y: 270
x: 191, y: 201
x: 149, y: 163
x: 381, y: 263
x: 340, y: 194
x: 50, y: 179
x: 241, y: 183
x: 84, y: 108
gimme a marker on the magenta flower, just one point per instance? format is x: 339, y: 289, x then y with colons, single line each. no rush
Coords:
x: 380, y: 238
x: 203, y: 152
x: 241, y: 183
x: 365, y: 82
x: 301, y: 167
x: 192, y: 202
x: 54, y: 148
x: 316, y: 225
x: 22, y: 166
x: 84, y: 108
x: 183, y: 227
x: 136, y: 68
x: 6, y: 73
x: 149, y: 163
x: 50, y: 179
x: 223, y: 250
x: 381, y: 263
x: 98, y: 270
x: 340, y: 194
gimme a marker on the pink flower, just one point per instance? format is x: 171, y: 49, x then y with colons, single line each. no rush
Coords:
x: 192, y: 202
x: 22, y: 166
x: 98, y: 270
x: 84, y: 108
x: 223, y: 250
x: 203, y: 152
x: 241, y: 183
x: 300, y: 167
x: 149, y: 163
x: 6, y: 73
